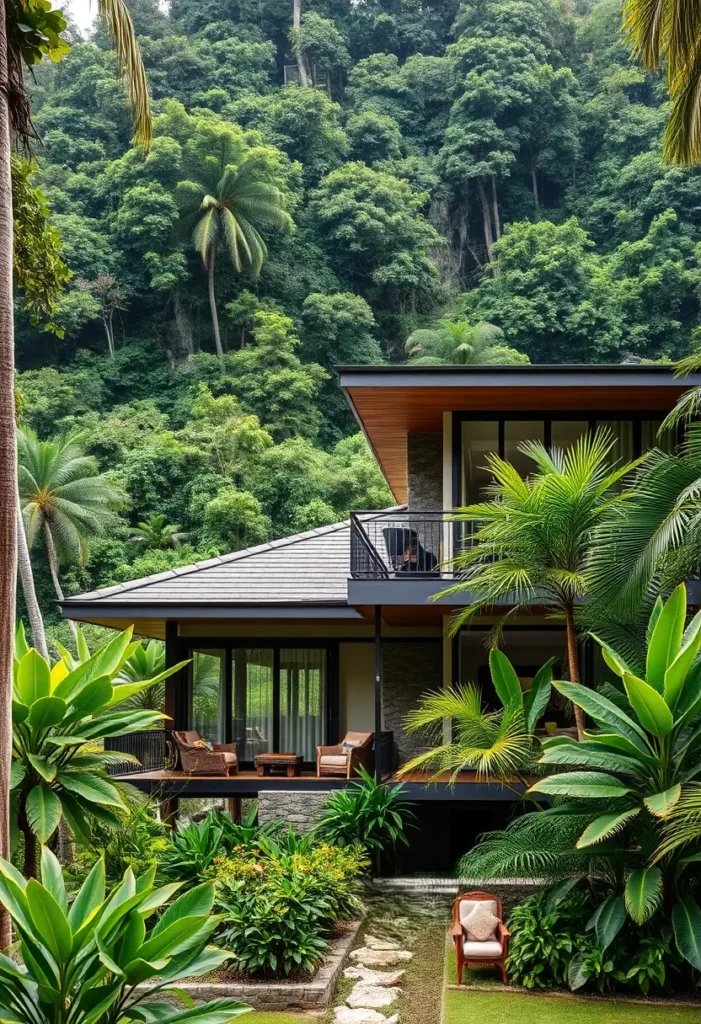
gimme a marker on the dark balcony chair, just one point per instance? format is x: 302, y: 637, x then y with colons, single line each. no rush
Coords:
x: 344, y: 758
x: 406, y: 553
x: 197, y: 759
x: 489, y: 952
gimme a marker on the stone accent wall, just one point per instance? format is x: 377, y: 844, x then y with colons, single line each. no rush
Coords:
x: 299, y: 808
x: 408, y: 671
x: 425, y: 471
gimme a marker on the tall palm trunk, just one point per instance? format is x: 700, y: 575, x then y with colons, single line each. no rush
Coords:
x: 486, y: 224
x: 24, y: 565
x: 301, y: 62
x: 8, y: 468
x: 213, y: 308
x: 573, y: 659
x: 53, y: 568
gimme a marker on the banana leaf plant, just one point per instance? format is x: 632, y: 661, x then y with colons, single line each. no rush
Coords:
x: 82, y: 960
x: 635, y: 763
x: 60, y: 716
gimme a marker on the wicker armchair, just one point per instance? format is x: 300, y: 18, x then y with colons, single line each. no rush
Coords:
x: 339, y: 761
x: 197, y: 760
x: 491, y: 953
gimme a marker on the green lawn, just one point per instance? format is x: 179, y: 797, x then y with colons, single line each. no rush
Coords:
x: 274, y: 1018
x: 495, y: 1008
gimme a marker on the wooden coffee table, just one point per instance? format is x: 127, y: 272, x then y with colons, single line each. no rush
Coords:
x: 290, y: 764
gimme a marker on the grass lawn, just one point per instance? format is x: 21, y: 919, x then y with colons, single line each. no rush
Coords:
x: 274, y: 1018
x: 495, y: 1008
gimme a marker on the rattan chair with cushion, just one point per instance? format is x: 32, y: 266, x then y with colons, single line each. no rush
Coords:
x: 470, y: 951
x: 344, y: 758
x: 197, y: 759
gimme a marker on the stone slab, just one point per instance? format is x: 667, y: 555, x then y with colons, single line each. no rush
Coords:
x: 346, y: 1015
x: 371, y: 997
x: 372, y: 942
x: 380, y: 957
x: 370, y: 977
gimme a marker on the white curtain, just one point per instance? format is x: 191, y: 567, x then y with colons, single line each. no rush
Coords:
x: 302, y: 700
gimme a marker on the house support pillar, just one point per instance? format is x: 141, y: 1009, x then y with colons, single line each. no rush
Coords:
x: 176, y: 707
x: 378, y: 692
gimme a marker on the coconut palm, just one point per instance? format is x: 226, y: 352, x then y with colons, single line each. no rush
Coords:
x: 498, y: 745
x: 532, y: 539
x: 669, y: 32
x: 458, y: 343
x: 225, y: 208
x: 64, y: 500
x: 157, y: 533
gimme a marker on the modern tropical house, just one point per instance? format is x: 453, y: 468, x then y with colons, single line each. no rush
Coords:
x: 296, y: 643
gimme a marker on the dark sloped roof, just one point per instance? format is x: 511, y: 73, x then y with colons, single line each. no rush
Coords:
x: 308, y: 568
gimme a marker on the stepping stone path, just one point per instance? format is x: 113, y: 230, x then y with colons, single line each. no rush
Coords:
x: 374, y: 989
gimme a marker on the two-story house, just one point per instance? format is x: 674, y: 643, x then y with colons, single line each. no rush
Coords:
x: 296, y: 642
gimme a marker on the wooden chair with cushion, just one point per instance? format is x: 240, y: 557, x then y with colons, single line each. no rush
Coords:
x: 197, y: 759
x: 471, y: 951
x: 344, y: 758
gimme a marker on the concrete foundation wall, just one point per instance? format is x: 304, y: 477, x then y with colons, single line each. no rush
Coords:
x: 301, y: 809
x: 409, y: 671
x: 425, y: 471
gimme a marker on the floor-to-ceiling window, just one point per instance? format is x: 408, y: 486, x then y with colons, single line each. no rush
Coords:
x: 264, y: 699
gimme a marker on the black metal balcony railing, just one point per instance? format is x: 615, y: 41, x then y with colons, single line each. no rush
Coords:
x: 400, y: 544
x: 150, y: 748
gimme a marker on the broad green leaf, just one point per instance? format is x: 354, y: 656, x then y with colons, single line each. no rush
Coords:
x: 132, y: 939
x: 122, y: 691
x: 110, y: 656
x: 21, y: 645
x: 603, y: 711
x: 649, y: 705
x: 91, y: 787
x: 81, y: 644
x: 676, y: 675
x: 506, y: 682
x: 140, y: 970
x: 90, y: 898
x: 197, y: 902
x: 169, y: 941
x: 52, y: 878
x: 654, y: 618
x: 43, y: 812
x: 46, y: 712
x: 536, y: 698
x: 45, y: 768
x: 106, y: 959
x: 586, y: 785
x: 106, y: 815
x: 218, y: 1011
x: 609, y: 920
x: 614, y: 661
x: 50, y: 921
x: 619, y: 742
x: 643, y: 893
x: 666, y: 639
x: 19, y: 712
x: 93, y: 696
x: 185, y: 967
x: 158, y: 897
x: 74, y: 815
x: 686, y: 921
x: 59, y: 671
x: 33, y: 677
x: 94, y: 1002
x: 604, y: 827
x: 67, y: 741
x: 17, y: 773
x: 660, y: 804
x: 582, y: 756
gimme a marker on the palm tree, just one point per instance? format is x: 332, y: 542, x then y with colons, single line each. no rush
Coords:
x: 533, y: 537
x: 669, y: 32
x: 64, y: 499
x: 17, y: 48
x: 458, y: 343
x: 225, y: 207
x: 157, y: 534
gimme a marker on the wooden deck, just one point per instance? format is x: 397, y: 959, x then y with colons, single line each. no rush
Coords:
x: 417, y: 785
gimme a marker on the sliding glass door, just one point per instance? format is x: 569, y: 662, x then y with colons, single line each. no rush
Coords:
x: 252, y: 674
x: 302, y: 700
x: 208, y: 686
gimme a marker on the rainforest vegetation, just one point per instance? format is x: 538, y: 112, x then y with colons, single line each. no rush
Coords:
x: 387, y: 180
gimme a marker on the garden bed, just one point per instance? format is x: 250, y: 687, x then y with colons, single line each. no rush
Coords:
x: 313, y: 993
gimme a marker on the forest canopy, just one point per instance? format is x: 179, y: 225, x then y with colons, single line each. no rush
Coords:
x: 392, y: 167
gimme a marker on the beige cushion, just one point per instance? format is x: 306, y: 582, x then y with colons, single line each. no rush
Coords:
x: 339, y: 760
x: 480, y: 924
x: 467, y: 906
x: 229, y: 757
x: 481, y: 949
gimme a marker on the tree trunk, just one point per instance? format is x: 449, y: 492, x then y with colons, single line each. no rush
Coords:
x: 573, y: 659
x: 296, y: 25
x: 183, y: 326
x: 534, y: 183
x: 30, y: 848
x: 486, y: 221
x: 8, y: 469
x: 53, y: 567
x: 24, y: 562
x: 495, y: 208
x: 213, y: 310
x: 110, y: 339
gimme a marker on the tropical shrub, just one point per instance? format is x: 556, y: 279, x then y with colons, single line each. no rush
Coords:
x: 543, y: 936
x: 366, y: 812
x: 139, y: 842
x: 617, y: 794
x: 194, y: 847
x: 279, y: 907
x: 60, y: 716
x: 83, y: 962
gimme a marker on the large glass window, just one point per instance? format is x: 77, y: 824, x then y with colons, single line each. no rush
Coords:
x: 252, y: 704
x: 565, y: 433
x: 208, y: 688
x: 302, y: 700
x: 515, y: 433
x: 480, y: 439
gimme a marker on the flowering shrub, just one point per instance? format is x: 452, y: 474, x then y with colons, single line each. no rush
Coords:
x: 281, y: 901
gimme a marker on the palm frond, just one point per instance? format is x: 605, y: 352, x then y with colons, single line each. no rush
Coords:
x: 121, y: 29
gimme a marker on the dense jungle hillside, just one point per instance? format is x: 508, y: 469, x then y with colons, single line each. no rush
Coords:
x: 392, y: 164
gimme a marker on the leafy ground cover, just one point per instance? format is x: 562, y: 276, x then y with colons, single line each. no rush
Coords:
x: 495, y: 1008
